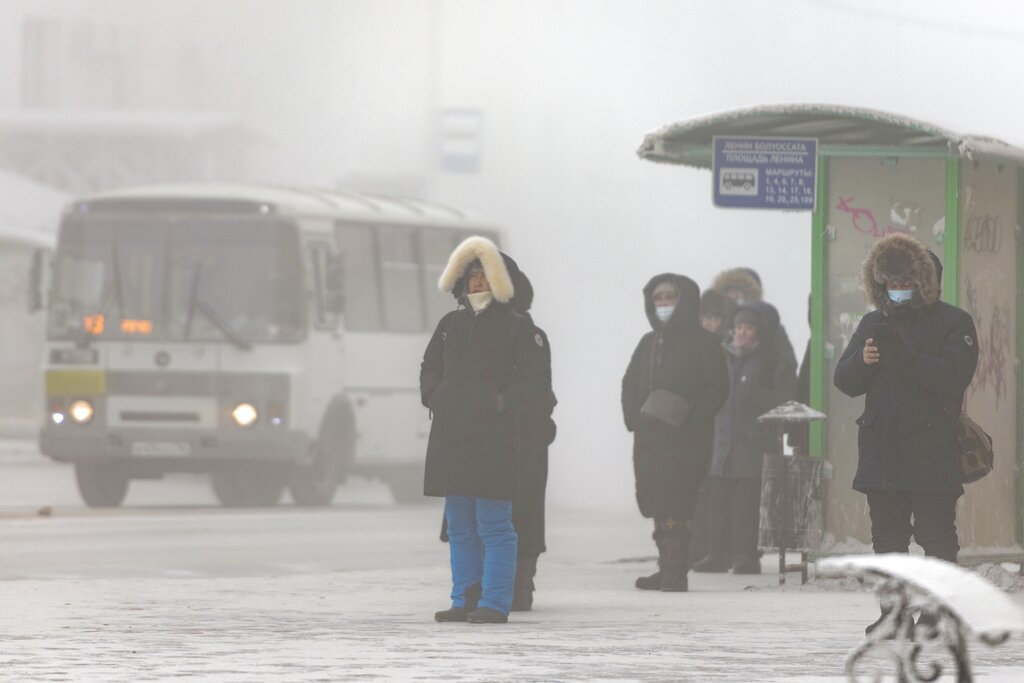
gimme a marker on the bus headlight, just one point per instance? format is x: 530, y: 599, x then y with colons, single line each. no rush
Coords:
x: 244, y: 414
x: 81, y: 411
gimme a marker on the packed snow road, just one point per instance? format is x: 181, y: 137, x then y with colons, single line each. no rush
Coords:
x: 176, y: 587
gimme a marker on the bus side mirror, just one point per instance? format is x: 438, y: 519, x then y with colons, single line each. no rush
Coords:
x: 35, y: 281
x: 334, y: 284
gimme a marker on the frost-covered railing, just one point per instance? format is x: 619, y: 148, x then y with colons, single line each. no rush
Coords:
x: 952, y: 604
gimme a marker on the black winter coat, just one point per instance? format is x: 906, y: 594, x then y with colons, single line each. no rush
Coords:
x: 478, y: 372
x: 758, y: 381
x: 682, y: 357
x: 906, y: 437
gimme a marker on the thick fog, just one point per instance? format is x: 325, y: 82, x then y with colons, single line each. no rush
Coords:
x: 366, y: 94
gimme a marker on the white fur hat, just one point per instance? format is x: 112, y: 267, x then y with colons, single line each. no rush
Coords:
x: 486, y: 252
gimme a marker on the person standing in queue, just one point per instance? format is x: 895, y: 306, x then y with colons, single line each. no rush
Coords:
x: 675, y: 383
x: 480, y: 367
x: 536, y: 433
x: 759, y: 380
x: 912, y: 358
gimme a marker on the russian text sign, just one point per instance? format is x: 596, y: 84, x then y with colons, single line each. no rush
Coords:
x: 764, y: 173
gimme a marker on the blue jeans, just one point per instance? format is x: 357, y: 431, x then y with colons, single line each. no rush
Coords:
x: 483, y: 544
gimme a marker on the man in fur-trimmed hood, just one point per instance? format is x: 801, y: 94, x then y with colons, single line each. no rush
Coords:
x: 480, y: 368
x: 912, y: 358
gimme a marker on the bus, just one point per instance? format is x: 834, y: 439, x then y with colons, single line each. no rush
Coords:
x: 268, y: 336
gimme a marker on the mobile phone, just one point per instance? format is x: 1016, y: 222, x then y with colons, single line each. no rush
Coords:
x: 882, y: 332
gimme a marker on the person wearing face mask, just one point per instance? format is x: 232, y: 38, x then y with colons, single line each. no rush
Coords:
x: 759, y: 380
x: 482, y: 365
x: 912, y: 358
x: 674, y: 384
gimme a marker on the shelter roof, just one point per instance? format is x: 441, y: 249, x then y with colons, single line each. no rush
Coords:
x: 688, y: 142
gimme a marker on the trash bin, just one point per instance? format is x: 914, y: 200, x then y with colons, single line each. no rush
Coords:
x: 791, y: 493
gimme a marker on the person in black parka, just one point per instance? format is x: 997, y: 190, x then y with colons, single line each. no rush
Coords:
x: 479, y: 369
x: 683, y: 358
x: 536, y: 432
x: 912, y: 358
x: 760, y: 378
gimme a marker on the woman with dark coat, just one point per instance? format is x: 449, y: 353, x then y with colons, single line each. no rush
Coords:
x: 480, y: 367
x: 536, y: 433
x: 681, y: 358
x: 912, y: 358
x: 760, y: 378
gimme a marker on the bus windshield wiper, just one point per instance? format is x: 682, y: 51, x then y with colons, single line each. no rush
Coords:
x: 230, y: 333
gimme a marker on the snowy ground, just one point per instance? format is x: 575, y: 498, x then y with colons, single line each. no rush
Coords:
x: 172, y: 586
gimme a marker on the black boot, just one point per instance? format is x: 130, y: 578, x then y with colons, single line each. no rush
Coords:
x: 486, y: 615
x: 653, y: 582
x: 526, y: 569
x: 461, y: 613
x: 676, y: 563
x: 649, y: 583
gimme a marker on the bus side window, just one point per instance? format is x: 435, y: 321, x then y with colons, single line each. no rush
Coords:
x: 360, y: 283
x: 436, y: 246
x: 400, y: 276
x: 325, y: 316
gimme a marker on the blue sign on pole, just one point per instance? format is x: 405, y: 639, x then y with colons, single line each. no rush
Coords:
x: 764, y: 173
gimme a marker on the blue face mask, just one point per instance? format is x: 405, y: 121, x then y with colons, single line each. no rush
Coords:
x: 664, y: 312
x: 900, y: 296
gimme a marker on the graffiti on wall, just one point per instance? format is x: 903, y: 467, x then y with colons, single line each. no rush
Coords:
x: 994, y: 336
x: 903, y: 217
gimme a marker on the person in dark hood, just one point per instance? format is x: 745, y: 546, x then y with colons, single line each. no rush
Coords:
x: 716, y: 310
x: 759, y: 379
x: 912, y: 358
x: 536, y: 432
x: 680, y: 364
x: 481, y: 367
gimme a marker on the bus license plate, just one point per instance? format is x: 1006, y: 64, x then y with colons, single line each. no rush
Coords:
x: 161, y: 448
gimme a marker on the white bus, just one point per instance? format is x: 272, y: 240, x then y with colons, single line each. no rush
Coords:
x: 269, y: 336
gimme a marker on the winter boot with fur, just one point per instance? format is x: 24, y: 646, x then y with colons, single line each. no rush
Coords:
x: 461, y: 613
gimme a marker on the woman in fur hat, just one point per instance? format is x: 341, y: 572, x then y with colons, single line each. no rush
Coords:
x: 912, y: 358
x: 670, y: 458
x: 480, y: 367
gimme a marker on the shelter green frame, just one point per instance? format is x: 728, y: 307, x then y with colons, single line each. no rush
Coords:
x: 857, y: 132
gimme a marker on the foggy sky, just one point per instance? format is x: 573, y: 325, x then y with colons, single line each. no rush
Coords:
x: 346, y: 93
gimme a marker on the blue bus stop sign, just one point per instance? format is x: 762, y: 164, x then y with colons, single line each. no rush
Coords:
x: 764, y: 173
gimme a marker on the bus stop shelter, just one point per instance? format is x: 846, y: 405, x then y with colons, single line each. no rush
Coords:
x: 879, y: 173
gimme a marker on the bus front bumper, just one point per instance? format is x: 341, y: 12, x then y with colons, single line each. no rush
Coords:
x: 175, y: 449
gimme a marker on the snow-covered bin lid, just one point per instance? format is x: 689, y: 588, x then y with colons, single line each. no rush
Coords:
x: 688, y: 142
x: 983, y: 608
x: 792, y: 411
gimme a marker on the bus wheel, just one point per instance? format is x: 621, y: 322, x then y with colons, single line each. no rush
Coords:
x: 248, y: 486
x: 317, y: 482
x: 406, y: 485
x: 102, y: 485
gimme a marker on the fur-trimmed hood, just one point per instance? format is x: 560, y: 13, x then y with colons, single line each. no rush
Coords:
x: 741, y: 280
x: 498, y: 268
x: 900, y: 257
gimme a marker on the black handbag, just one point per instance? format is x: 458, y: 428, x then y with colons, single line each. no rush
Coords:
x: 977, y: 457
x: 664, y: 406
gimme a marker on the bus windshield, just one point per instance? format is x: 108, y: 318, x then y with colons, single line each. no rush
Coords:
x: 234, y: 280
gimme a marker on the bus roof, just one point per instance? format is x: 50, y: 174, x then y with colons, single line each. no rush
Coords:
x: 275, y: 199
